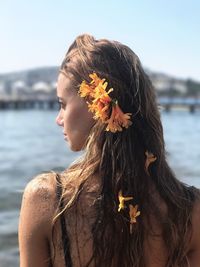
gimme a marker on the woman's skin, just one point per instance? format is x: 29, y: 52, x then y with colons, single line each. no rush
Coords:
x: 74, y: 117
x: 39, y: 199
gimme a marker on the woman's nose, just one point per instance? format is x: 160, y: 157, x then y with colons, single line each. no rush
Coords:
x: 59, y: 120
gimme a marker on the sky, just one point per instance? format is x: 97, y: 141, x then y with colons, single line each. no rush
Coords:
x: 164, y: 34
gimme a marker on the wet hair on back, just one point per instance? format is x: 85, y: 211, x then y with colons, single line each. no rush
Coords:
x: 119, y: 161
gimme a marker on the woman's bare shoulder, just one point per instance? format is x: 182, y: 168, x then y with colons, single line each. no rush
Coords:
x: 35, y: 221
x: 41, y: 186
x: 39, y: 198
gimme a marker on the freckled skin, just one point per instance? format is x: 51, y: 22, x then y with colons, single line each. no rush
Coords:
x: 37, y: 211
x: 38, y: 206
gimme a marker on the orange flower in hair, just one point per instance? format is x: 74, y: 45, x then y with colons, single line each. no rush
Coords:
x: 101, y: 104
x: 133, y: 210
x: 85, y: 90
x: 95, y: 79
x: 100, y: 109
x: 133, y: 213
x: 118, y: 119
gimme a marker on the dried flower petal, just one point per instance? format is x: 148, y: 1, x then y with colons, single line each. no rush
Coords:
x: 133, y: 213
x: 122, y: 200
x: 150, y: 158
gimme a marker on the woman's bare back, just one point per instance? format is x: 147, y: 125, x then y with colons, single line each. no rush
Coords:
x: 40, y: 198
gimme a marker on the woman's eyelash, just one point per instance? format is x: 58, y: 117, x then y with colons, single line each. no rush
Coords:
x: 61, y: 104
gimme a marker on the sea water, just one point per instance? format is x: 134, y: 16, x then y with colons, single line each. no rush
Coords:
x: 31, y: 142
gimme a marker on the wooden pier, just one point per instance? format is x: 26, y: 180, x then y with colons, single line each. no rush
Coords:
x: 29, y: 104
x: 166, y: 103
x: 170, y: 103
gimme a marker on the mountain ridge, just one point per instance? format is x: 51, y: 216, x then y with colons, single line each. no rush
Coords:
x: 164, y: 83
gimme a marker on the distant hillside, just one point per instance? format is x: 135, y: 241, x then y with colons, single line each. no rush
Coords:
x: 32, y: 76
x: 165, y: 84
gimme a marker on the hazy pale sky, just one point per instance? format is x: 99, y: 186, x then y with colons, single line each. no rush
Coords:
x: 164, y: 34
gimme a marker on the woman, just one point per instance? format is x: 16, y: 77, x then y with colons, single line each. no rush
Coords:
x: 120, y: 204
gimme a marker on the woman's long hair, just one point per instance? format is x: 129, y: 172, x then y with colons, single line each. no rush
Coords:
x: 119, y: 159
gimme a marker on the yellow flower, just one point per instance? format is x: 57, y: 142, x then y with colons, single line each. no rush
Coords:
x: 100, y: 109
x: 118, y: 119
x: 122, y: 200
x: 85, y: 90
x: 100, y: 92
x: 149, y: 159
x: 95, y: 79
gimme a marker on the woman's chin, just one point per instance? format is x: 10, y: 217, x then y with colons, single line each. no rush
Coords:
x: 74, y: 147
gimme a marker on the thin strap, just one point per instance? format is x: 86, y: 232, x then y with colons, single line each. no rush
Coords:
x: 65, y: 237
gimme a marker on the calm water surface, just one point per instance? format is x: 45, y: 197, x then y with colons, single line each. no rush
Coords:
x: 31, y: 142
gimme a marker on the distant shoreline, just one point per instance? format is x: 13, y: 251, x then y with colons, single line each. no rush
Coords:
x: 50, y: 103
